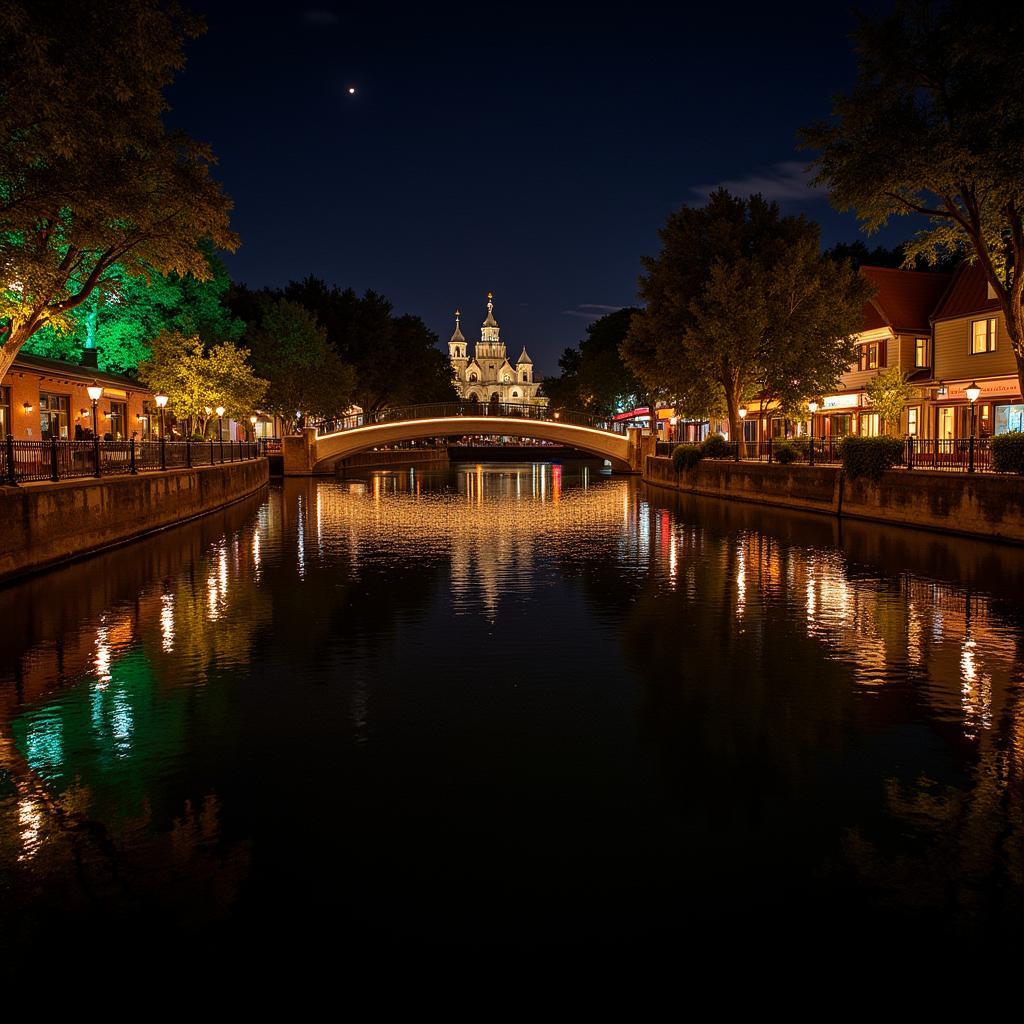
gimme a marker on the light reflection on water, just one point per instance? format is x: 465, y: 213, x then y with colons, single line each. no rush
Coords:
x: 523, y: 680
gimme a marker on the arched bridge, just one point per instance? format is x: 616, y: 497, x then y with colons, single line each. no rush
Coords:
x: 318, y: 451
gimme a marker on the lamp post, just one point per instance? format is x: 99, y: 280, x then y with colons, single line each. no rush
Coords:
x: 220, y: 429
x: 972, y: 391
x: 741, y: 440
x: 813, y: 407
x: 95, y: 391
x: 161, y: 401
x: 252, y: 420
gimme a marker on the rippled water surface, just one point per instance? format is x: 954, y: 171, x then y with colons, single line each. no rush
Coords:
x: 520, y: 703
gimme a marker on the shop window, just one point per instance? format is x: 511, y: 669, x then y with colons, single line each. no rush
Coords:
x: 914, y: 421
x: 841, y: 425
x: 1007, y: 418
x: 117, y: 424
x: 946, y: 424
x: 869, y: 425
x: 53, y: 415
x: 750, y: 430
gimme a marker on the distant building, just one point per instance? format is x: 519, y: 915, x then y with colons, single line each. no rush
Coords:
x: 486, y: 375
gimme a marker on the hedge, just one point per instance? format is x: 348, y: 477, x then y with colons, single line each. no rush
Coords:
x: 870, y: 457
x: 686, y: 456
x: 715, y: 446
x: 785, y: 453
x: 1008, y: 452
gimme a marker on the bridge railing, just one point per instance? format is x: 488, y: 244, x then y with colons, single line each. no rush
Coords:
x: 443, y: 410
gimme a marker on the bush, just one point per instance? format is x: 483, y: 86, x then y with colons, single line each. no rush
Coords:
x: 715, y: 446
x: 686, y: 456
x: 870, y: 456
x: 785, y: 453
x: 1008, y: 452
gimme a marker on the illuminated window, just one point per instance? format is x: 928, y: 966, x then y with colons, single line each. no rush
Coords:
x: 913, y: 420
x: 947, y: 428
x: 472, y: 378
x: 921, y: 352
x: 5, y: 412
x: 869, y: 425
x: 983, y: 336
x: 869, y: 356
x: 53, y: 415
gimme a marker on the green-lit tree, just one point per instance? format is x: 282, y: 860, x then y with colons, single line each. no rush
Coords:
x: 289, y: 348
x: 91, y: 179
x: 934, y: 126
x: 740, y: 304
x: 121, y: 317
x: 196, y: 380
x: 889, y: 392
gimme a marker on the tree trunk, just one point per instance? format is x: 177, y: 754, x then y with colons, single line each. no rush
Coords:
x: 732, y: 406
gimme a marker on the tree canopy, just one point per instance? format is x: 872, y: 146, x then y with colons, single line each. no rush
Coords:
x: 934, y: 126
x: 196, y: 379
x: 395, y: 358
x: 290, y: 349
x: 90, y: 177
x: 740, y: 304
x: 593, y: 375
x: 123, y: 314
x: 888, y: 393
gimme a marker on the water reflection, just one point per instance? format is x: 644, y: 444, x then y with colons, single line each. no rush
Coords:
x: 429, y: 680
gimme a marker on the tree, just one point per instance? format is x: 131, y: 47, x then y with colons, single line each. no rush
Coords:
x: 90, y: 177
x: 289, y: 348
x: 740, y: 304
x: 594, y: 377
x: 889, y: 392
x: 123, y: 314
x: 934, y: 125
x: 196, y: 380
x: 395, y: 358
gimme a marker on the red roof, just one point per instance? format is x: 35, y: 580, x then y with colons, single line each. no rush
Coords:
x: 904, y: 299
x: 967, y: 294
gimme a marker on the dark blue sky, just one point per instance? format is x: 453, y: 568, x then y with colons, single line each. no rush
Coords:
x: 533, y: 151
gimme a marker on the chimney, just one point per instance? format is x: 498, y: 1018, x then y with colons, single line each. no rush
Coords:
x: 89, y: 358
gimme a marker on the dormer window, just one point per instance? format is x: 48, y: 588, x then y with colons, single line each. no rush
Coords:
x: 472, y: 378
x: 505, y: 378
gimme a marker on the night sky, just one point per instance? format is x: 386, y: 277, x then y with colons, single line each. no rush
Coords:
x: 530, y: 151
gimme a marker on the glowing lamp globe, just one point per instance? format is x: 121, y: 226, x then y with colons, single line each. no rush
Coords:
x: 94, y: 392
x: 813, y: 406
x: 220, y: 410
x: 161, y: 400
x: 972, y: 391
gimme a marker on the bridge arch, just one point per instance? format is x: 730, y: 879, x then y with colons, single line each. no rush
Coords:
x: 309, y: 454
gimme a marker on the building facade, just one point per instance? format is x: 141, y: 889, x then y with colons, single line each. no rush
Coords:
x: 486, y: 374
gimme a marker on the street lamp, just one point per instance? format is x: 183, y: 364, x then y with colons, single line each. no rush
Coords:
x: 94, y: 393
x: 161, y: 401
x: 252, y: 420
x: 813, y: 407
x: 220, y: 429
x: 972, y: 391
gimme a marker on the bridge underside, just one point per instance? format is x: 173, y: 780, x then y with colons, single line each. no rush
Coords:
x: 308, y: 454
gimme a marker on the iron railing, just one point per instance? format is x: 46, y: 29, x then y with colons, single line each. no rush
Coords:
x: 55, y: 459
x: 440, y: 410
x: 959, y: 455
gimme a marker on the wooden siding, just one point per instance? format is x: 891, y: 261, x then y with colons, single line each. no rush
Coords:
x: 953, y: 359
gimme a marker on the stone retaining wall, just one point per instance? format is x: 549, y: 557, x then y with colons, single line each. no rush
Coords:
x: 971, y: 504
x: 43, y: 524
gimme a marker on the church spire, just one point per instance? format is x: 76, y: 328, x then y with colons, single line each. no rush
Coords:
x: 490, y: 321
x: 457, y: 336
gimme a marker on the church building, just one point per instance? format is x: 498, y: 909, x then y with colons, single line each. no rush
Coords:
x: 487, y: 375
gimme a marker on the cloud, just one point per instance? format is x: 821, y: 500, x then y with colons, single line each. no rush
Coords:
x: 788, y: 180
x: 320, y: 16
x: 591, y: 310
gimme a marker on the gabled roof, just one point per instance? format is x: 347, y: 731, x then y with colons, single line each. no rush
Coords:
x: 968, y: 293
x: 904, y: 299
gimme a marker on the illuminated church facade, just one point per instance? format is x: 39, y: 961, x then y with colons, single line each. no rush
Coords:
x: 487, y: 375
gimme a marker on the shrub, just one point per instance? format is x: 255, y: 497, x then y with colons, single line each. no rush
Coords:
x: 715, y: 446
x: 1008, y: 452
x: 686, y: 456
x: 785, y: 453
x: 870, y: 456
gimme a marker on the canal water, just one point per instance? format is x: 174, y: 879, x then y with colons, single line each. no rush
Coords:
x: 511, y: 704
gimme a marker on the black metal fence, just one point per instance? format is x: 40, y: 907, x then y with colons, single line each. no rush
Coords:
x: 441, y: 410
x: 23, y: 461
x: 958, y: 455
